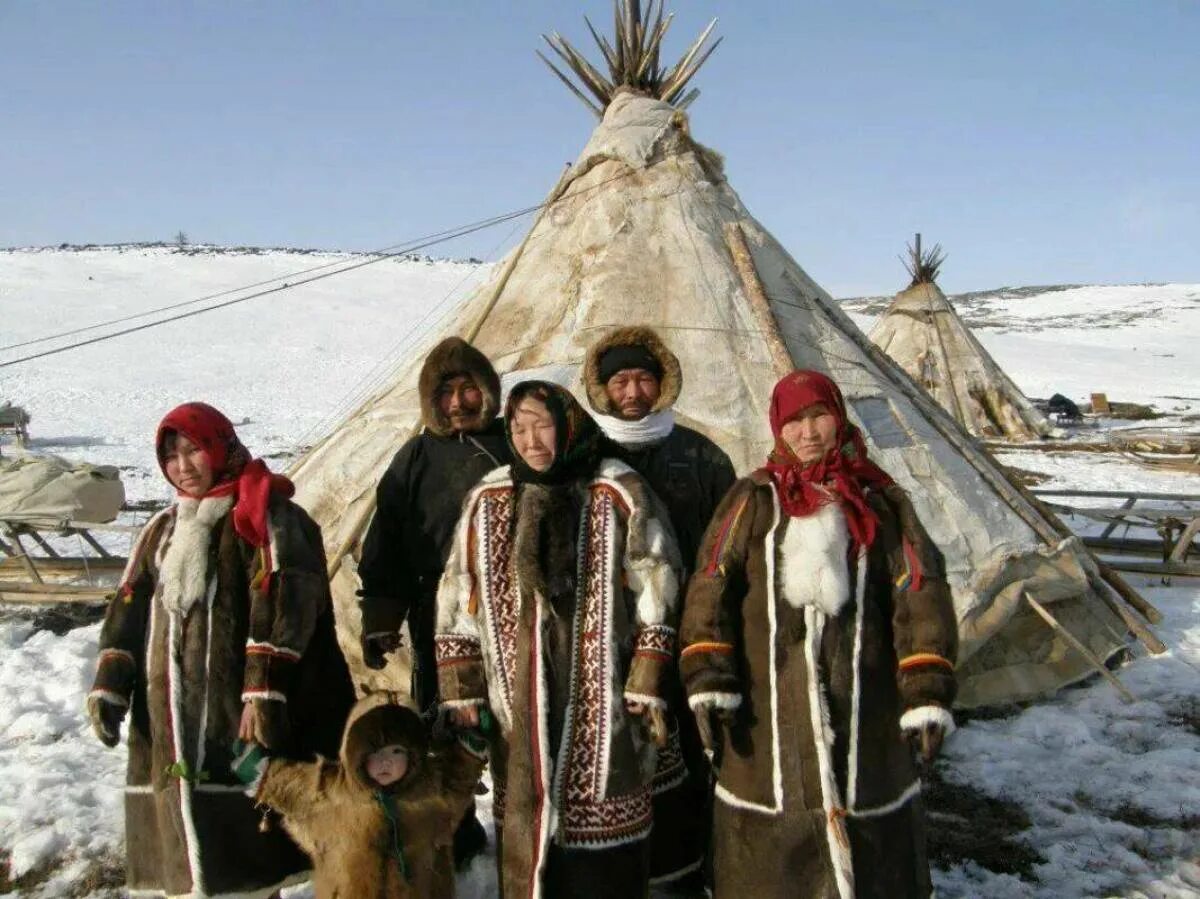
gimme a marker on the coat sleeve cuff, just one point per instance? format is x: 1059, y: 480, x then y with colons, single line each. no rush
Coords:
x: 715, y: 700
x: 653, y: 652
x: 709, y: 667
x: 922, y: 716
x: 926, y: 678
x: 269, y: 671
x: 461, y: 679
x: 116, y: 673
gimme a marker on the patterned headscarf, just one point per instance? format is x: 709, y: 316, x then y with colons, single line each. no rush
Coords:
x: 234, y: 472
x: 579, y: 444
x: 842, y: 475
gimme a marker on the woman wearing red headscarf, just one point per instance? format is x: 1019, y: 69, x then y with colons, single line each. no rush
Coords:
x: 222, y: 628
x: 818, y: 653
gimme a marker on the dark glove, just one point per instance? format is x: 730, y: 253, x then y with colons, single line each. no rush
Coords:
x: 106, y: 717
x: 709, y: 720
x: 375, y: 648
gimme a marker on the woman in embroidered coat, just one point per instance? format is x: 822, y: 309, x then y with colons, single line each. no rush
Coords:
x: 222, y: 627
x: 818, y: 652
x: 557, y: 611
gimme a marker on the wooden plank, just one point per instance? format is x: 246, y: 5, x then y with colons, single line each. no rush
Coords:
x: 1128, y: 504
x: 1119, y: 494
x: 1078, y: 646
x: 27, y: 562
x: 1166, y: 569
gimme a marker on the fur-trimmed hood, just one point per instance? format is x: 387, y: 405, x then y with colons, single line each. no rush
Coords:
x: 454, y: 356
x: 374, y: 723
x: 637, y: 335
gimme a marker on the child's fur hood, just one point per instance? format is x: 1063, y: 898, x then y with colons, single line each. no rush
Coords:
x: 379, y: 720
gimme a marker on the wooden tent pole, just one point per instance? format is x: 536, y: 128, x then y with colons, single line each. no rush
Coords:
x: 735, y: 239
x: 1075, y: 643
x: 363, y: 518
x: 1015, y: 494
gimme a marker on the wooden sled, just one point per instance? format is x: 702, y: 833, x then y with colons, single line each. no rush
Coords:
x: 52, y: 575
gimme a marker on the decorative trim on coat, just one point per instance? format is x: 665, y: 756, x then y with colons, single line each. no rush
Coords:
x: 813, y: 552
x: 183, y: 574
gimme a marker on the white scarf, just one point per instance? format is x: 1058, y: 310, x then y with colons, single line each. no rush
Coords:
x: 634, y: 434
x: 184, y: 569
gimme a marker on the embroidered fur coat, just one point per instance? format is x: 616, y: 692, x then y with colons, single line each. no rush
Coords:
x: 570, y: 764
x: 824, y: 659
x: 192, y: 635
x: 367, y: 843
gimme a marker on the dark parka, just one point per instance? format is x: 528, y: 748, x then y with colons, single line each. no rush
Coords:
x: 373, y: 843
x: 419, y: 500
x: 690, y: 474
x: 189, y: 828
x: 817, y: 794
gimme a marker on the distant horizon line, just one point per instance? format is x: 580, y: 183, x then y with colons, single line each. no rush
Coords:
x: 197, y: 248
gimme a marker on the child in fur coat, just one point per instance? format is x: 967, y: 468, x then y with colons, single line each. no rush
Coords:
x: 380, y: 823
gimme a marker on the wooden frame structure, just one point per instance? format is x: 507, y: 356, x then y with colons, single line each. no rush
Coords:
x: 1178, y: 527
x: 52, y: 576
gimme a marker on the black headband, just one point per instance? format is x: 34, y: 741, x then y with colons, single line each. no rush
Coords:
x: 619, y: 358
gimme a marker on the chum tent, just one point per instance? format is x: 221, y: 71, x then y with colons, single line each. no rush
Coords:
x: 928, y: 339
x: 645, y: 228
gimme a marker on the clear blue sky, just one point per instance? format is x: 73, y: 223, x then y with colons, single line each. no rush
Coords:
x: 1041, y: 141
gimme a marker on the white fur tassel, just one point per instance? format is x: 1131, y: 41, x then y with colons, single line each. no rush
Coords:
x: 813, y: 564
x: 916, y: 719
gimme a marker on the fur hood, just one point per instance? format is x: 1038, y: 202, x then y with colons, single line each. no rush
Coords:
x: 375, y: 722
x: 637, y: 335
x: 454, y: 356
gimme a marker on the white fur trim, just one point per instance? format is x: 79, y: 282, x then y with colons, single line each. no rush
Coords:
x: 633, y: 434
x: 264, y: 696
x: 813, y: 558
x: 878, y: 811
x: 916, y: 719
x: 843, y: 867
x: 174, y: 676
x: 139, y: 789
x: 611, y: 469
x: 271, y: 647
x: 644, y: 699
x: 260, y: 893
x: 715, y: 700
x: 110, y: 697
x: 183, y: 575
x: 463, y: 703
x: 860, y: 592
x: 776, y: 805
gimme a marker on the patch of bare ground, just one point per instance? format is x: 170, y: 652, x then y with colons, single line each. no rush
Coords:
x: 1186, y: 714
x: 34, y: 877
x: 964, y: 824
x: 103, y: 877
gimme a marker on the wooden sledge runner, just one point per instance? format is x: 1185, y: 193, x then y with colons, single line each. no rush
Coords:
x: 52, y: 576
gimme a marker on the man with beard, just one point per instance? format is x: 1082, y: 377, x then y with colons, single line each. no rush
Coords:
x: 417, y: 507
x: 633, y: 380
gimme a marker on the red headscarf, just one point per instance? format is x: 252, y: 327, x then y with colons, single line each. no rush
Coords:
x: 843, y: 473
x: 234, y: 472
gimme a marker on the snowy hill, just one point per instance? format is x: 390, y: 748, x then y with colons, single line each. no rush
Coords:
x: 1079, y: 796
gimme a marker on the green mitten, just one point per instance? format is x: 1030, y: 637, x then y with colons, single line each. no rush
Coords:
x: 249, y: 762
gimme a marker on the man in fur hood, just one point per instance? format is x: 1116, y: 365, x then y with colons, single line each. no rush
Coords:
x: 633, y: 381
x: 418, y: 503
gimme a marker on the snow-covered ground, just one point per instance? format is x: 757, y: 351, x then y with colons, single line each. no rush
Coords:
x: 1109, y: 792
